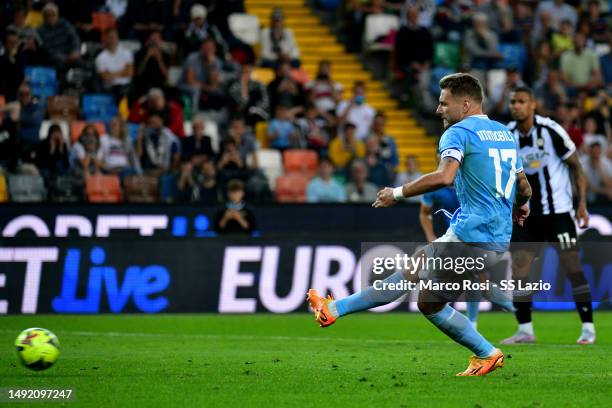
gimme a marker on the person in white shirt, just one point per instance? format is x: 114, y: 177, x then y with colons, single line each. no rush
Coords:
x: 357, y: 111
x: 117, y: 152
x: 278, y: 42
x: 115, y: 64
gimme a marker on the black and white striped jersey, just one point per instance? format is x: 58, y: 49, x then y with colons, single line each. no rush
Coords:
x: 543, y: 151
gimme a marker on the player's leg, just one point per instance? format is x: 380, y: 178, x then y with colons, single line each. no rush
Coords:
x: 328, y: 310
x: 581, y: 291
x: 471, y: 311
x: 458, y: 327
x: 567, y: 237
x: 521, y: 266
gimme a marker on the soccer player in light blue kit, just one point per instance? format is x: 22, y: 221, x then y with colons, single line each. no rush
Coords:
x: 481, y: 157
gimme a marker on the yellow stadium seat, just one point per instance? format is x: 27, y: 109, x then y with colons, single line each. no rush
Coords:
x: 264, y: 75
x: 261, y: 133
x: 4, y: 197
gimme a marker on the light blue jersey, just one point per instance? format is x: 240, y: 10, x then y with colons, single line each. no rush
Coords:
x: 485, y: 182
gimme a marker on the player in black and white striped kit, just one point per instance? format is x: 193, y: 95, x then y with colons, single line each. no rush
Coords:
x: 551, y: 163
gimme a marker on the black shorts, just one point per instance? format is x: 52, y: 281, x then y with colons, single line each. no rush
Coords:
x: 554, y: 228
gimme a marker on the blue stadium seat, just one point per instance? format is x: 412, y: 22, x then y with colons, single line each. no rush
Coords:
x: 133, y: 129
x: 98, y: 107
x: 515, y: 56
x: 43, y: 81
x: 168, y: 188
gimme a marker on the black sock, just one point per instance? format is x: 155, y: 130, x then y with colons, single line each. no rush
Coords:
x: 523, y: 311
x: 581, y: 292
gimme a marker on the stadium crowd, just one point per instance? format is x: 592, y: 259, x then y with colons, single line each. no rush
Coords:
x: 158, y: 100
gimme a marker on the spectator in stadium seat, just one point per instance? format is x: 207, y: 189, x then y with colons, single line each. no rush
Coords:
x: 117, y: 7
x: 346, y: 147
x: 155, y: 103
x: 198, y: 183
x: 558, y: 11
x: 597, y: 21
x: 235, y: 217
x: 152, y: 65
x: 324, y: 189
x: 387, y: 149
x: 412, y: 173
x: 199, y: 29
x: 323, y: 91
x: 543, y: 30
x: 580, y: 68
x: 31, y: 114
x: 357, y: 111
x: 86, y: 153
x: 248, y: 98
x: 496, y: 11
x: 481, y: 45
x: 414, y: 62
x: 426, y: 9
x: 52, y: 155
x: 550, y: 94
x: 197, y: 147
x: 606, y: 64
x: 509, y: 33
x: 359, y: 189
x: 282, y: 133
x: 118, y: 155
x: 30, y: 51
x: 450, y: 16
x: 78, y: 12
x: 12, y: 74
x: 115, y: 65
x: 313, y: 128
x: 499, y: 99
x: 143, y: 16
x: 598, y: 170
x: 202, y: 77
x: 8, y: 142
x: 157, y: 148
x: 230, y: 164
x: 379, y: 173
x: 563, y: 39
x: 277, y: 42
x: 244, y: 139
x: 59, y: 38
x: 285, y: 90
x: 568, y: 116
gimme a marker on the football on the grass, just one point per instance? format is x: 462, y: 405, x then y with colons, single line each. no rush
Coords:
x: 38, y: 349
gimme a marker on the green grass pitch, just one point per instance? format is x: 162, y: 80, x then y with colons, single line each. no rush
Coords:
x: 365, y: 360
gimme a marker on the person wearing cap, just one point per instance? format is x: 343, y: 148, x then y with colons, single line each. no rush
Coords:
x: 59, y: 37
x: 235, y: 217
x: 155, y: 102
x: 199, y: 29
x: 115, y: 65
x: 278, y: 41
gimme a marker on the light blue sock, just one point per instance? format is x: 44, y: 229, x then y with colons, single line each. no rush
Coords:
x: 368, y: 298
x: 472, y: 311
x: 458, y: 327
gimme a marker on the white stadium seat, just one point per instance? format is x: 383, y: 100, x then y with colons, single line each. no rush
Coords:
x: 270, y: 161
x: 46, y: 124
x: 174, y: 75
x: 245, y: 27
x: 378, y: 25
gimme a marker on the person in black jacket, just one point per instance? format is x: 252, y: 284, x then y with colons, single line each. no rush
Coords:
x: 413, y: 61
x: 235, y: 217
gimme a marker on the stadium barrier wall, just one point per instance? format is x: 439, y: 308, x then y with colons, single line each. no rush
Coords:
x: 154, y: 259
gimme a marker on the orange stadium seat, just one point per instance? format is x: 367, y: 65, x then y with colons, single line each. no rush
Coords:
x: 300, y: 161
x: 291, y: 188
x: 102, y: 21
x: 103, y: 188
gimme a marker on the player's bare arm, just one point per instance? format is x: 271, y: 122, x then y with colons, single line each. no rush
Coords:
x: 442, y: 177
x: 426, y: 222
x: 580, y: 180
x: 522, y: 196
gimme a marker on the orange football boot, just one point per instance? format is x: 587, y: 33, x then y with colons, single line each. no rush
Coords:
x: 482, y: 366
x: 318, y: 304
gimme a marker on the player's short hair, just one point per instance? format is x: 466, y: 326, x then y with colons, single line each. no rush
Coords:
x: 524, y: 89
x: 462, y: 84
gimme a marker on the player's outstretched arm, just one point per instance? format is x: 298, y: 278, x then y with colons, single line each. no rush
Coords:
x: 577, y: 174
x: 442, y: 177
x: 520, y: 211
